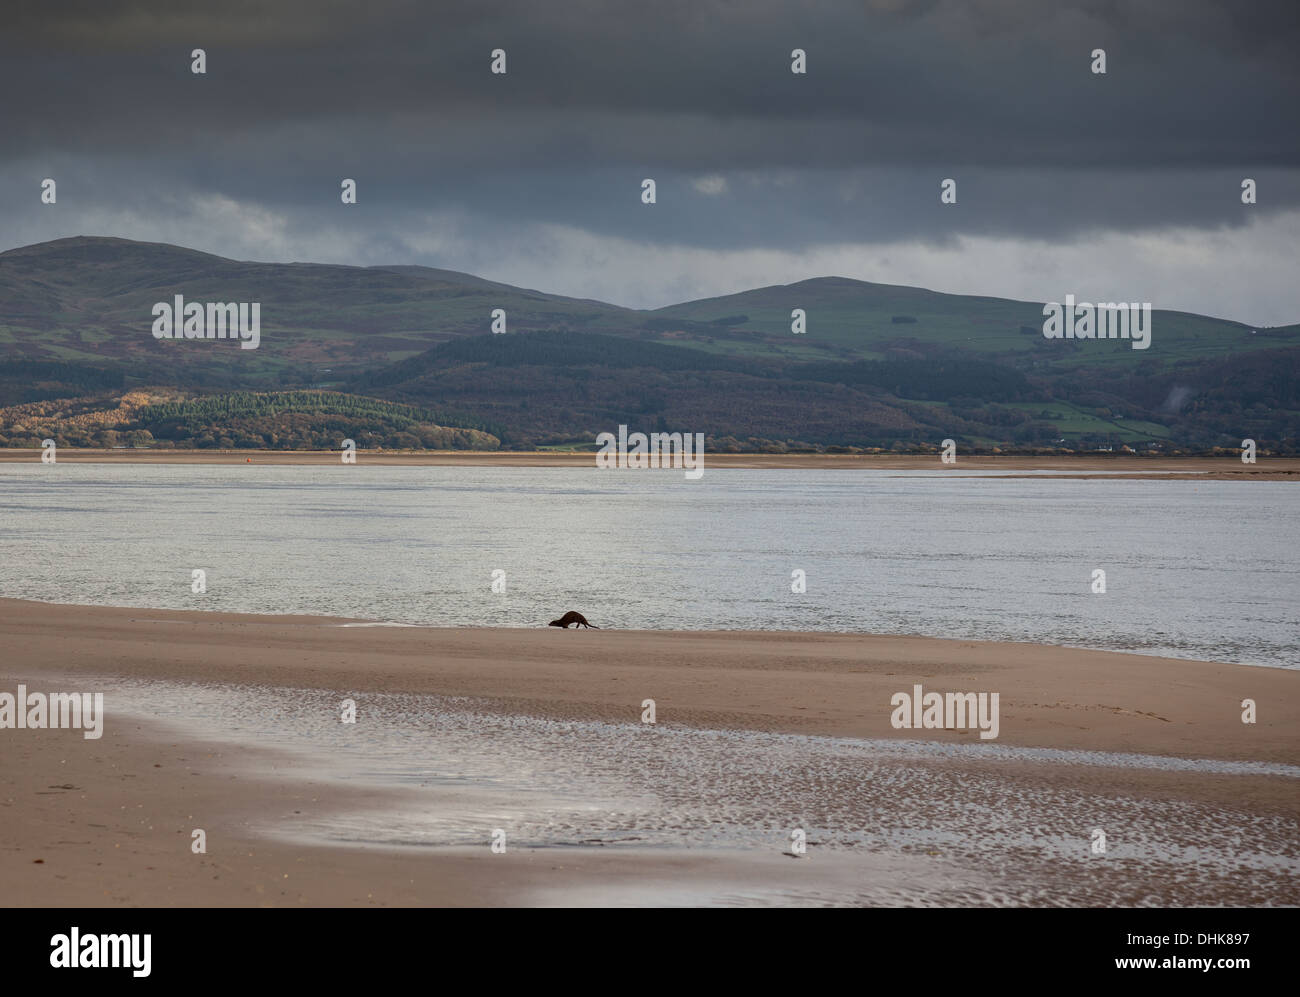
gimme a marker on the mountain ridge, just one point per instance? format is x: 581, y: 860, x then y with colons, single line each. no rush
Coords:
x: 878, y: 365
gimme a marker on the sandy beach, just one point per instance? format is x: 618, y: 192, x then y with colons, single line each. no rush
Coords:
x: 1081, y: 466
x: 108, y: 821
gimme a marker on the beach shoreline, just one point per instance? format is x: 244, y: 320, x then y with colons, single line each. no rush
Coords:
x: 832, y: 684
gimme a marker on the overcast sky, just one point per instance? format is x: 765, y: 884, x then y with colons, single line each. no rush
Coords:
x: 1123, y: 186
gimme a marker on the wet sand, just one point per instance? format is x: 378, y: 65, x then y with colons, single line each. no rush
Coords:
x: 1082, y: 466
x: 225, y: 722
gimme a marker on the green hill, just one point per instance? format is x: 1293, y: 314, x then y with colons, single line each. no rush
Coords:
x: 89, y: 300
x: 879, y: 365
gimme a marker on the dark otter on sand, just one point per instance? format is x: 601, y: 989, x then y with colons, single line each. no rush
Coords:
x: 571, y: 618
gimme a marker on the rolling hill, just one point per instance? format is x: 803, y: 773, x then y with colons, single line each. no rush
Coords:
x: 879, y: 365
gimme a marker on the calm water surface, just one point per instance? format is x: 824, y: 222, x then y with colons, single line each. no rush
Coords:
x: 1198, y: 569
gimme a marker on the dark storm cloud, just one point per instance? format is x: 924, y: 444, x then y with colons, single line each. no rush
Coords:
x: 697, y: 94
x: 1002, y: 83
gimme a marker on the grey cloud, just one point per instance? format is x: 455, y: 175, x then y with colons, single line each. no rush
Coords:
x: 397, y: 94
x: 991, y: 83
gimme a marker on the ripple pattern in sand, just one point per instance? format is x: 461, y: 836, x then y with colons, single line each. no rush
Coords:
x: 957, y: 824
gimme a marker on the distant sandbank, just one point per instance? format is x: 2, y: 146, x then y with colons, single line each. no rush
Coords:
x: 1080, y: 466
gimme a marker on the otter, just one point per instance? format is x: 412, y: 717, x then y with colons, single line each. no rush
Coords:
x: 571, y: 618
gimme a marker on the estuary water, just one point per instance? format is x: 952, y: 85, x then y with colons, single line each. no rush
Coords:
x: 1196, y: 569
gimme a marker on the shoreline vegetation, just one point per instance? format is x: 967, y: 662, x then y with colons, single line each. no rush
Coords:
x: 1056, y: 465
